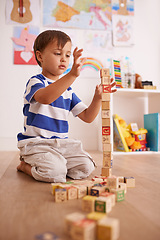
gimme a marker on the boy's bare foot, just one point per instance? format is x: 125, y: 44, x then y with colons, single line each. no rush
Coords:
x: 24, y: 167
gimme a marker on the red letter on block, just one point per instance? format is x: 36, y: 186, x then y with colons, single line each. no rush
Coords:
x: 106, y: 88
x: 106, y: 130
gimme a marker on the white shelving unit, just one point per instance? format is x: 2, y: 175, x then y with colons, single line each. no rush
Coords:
x: 132, y: 104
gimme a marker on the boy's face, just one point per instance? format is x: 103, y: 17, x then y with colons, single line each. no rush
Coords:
x: 54, y: 60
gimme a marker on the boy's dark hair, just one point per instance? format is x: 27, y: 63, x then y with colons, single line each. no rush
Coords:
x: 46, y: 37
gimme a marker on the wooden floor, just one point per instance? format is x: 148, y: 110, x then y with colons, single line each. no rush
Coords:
x: 27, y: 207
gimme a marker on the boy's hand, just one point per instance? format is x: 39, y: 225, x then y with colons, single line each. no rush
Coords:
x: 98, y: 91
x: 78, y: 62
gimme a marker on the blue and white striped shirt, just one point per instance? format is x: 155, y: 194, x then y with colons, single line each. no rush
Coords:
x: 48, y: 120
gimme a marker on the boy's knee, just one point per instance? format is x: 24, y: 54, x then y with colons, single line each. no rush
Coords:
x: 82, y: 171
x: 52, y: 169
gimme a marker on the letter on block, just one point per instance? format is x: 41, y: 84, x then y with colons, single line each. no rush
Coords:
x: 105, y: 113
x: 106, y: 88
x: 105, y: 80
x: 104, y: 72
x: 106, y: 130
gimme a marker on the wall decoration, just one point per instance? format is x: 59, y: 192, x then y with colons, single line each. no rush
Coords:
x: 23, y: 39
x: 84, y: 14
x: 99, y: 41
x: 122, y: 22
x: 92, y: 63
x: 22, y: 12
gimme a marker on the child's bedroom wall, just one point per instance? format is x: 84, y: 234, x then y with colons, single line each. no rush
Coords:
x: 145, y: 53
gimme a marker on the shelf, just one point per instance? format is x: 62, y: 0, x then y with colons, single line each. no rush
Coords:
x: 127, y: 92
x: 135, y: 153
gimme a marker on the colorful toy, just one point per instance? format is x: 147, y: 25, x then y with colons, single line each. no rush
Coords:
x: 128, y: 138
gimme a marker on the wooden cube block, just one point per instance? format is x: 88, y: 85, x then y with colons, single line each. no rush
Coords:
x: 105, y: 80
x: 105, y: 130
x: 106, y: 172
x: 71, y: 191
x: 55, y: 186
x: 105, y: 113
x: 103, y: 204
x: 84, y: 229
x: 96, y: 191
x: 123, y: 186
x: 107, y: 163
x: 106, y: 97
x: 81, y: 190
x: 110, y: 195
x: 130, y: 181
x: 120, y: 179
x: 120, y: 196
x: 70, y: 219
x: 107, y: 155
x: 106, y: 139
x: 106, y: 105
x: 106, y: 88
x: 88, y: 203
x: 107, y: 147
x: 106, y: 122
x: 108, y: 229
x: 112, y: 182
x: 96, y: 216
x: 60, y: 195
x: 104, y: 72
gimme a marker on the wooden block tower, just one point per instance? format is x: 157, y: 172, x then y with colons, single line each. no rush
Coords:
x: 106, y: 122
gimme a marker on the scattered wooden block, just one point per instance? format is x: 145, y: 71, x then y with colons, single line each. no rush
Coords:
x: 130, y: 181
x: 96, y: 191
x: 88, y: 203
x: 123, y: 186
x: 70, y: 219
x: 120, y: 196
x: 47, y: 235
x: 112, y: 182
x: 81, y: 190
x: 110, y: 195
x: 96, y: 216
x: 84, y: 229
x: 60, y: 195
x: 103, y: 204
x: 108, y: 229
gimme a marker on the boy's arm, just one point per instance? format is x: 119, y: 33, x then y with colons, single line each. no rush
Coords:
x: 53, y: 91
x: 89, y: 114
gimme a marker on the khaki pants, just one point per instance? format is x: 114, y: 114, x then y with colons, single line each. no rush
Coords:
x: 54, y: 159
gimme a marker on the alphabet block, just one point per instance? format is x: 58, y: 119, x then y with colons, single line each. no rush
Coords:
x: 106, y: 171
x: 105, y: 130
x: 107, y: 147
x: 106, y: 88
x: 105, y: 80
x: 107, y: 155
x: 107, y: 163
x: 105, y: 113
x: 60, y: 195
x: 130, y: 181
x: 106, y: 97
x: 88, y: 203
x: 108, y: 228
x: 106, y: 122
x: 104, y: 72
x: 106, y: 139
x: 103, y: 204
x: 83, y: 230
x: 106, y: 105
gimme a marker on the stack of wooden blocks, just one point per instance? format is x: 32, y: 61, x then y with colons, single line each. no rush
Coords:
x: 106, y: 122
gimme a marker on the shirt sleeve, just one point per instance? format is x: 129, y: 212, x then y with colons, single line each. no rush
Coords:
x: 32, y: 87
x: 77, y: 105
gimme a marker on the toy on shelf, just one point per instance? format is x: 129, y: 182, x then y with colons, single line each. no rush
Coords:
x: 138, y: 81
x: 128, y: 138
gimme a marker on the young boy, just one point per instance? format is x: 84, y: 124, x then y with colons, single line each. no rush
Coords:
x: 46, y: 153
